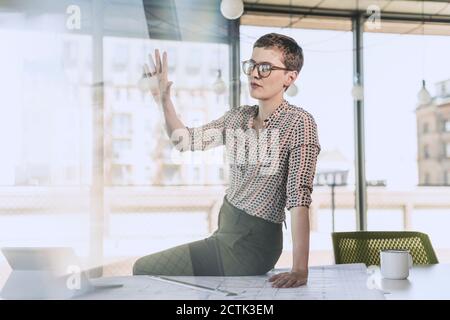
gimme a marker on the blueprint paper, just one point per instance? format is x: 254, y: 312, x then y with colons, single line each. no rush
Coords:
x: 334, y: 282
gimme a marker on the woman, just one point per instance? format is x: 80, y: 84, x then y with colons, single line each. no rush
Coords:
x: 248, y: 240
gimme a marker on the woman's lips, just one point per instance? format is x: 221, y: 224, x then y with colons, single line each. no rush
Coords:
x: 254, y: 86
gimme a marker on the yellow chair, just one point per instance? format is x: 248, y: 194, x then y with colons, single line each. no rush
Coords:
x: 365, y: 246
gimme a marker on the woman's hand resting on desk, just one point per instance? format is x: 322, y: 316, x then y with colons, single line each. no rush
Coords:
x: 291, y: 279
x: 157, y: 72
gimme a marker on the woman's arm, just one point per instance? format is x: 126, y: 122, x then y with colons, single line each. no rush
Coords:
x: 170, y: 116
x: 302, y: 167
x: 183, y: 138
x: 300, y: 251
x: 175, y: 128
x: 300, y: 239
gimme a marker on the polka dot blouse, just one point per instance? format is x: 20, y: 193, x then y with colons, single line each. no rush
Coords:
x: 271, y: 169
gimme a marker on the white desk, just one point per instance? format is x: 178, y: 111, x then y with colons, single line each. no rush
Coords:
x: 325, y: 282
x: 424, y: 282
x: 347, y: 282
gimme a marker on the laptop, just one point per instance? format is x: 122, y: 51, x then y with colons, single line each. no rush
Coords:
x: 46, y: 273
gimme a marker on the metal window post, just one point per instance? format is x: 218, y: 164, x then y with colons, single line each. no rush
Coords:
x: 360, y: 172
x: 235, y: 82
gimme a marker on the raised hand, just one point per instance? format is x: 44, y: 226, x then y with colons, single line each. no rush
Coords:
x: 157, y: 73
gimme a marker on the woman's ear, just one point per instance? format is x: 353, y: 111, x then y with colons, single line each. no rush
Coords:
x: 291, y: 77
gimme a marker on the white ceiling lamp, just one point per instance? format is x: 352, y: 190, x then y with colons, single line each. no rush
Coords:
x: 424, y: 96
x: 292, y: 91
x: 357, y: 90
x: 219, y: 85
x: 232, y: 9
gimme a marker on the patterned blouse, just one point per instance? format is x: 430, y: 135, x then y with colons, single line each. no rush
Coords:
x: 271, y: 168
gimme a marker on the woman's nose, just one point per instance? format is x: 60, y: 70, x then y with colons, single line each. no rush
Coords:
x: 254, y: 73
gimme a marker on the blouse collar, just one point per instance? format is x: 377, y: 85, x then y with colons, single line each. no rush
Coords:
x: 282, y: 107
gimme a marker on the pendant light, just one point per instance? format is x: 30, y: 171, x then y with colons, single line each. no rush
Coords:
x: 219, y: 85
x: 292, y: 91
x: 358, y: 89
x: 232, y: 9
x: 424, y: 96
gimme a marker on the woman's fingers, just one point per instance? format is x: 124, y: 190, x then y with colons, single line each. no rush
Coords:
x: 164, y: 65
x: 280, y: 282
x: 301, y: 282
x: 275, y: 277
x: 157, y: 70
x: 286, y: 280
x: 147, y: 71
x: 157, y: 66
x: 152, y: 64
x: 290, y: 283
x: 158, y: 61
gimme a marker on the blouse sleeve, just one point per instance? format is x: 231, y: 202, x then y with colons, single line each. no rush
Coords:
x: 303, y: 153
x: 209, y: 135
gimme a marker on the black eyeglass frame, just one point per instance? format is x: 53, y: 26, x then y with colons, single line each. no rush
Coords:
x: 256, y: 65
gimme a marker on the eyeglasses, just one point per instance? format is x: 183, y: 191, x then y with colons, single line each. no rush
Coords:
x: 264, y: 68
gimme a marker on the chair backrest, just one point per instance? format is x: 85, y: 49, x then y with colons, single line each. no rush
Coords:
x: 365, y: 246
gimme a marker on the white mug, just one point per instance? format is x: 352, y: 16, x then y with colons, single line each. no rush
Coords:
x: 395, y: 264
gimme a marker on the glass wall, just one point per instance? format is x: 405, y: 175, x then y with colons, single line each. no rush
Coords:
x: 45, y: 130
x: 406, y: 139
x: 87, y: 162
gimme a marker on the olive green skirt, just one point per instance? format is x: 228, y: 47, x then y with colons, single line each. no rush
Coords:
x: 242, y: 245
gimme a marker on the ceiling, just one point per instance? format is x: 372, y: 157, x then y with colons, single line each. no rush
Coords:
x: 430, y: 7
x: 398, y: 16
